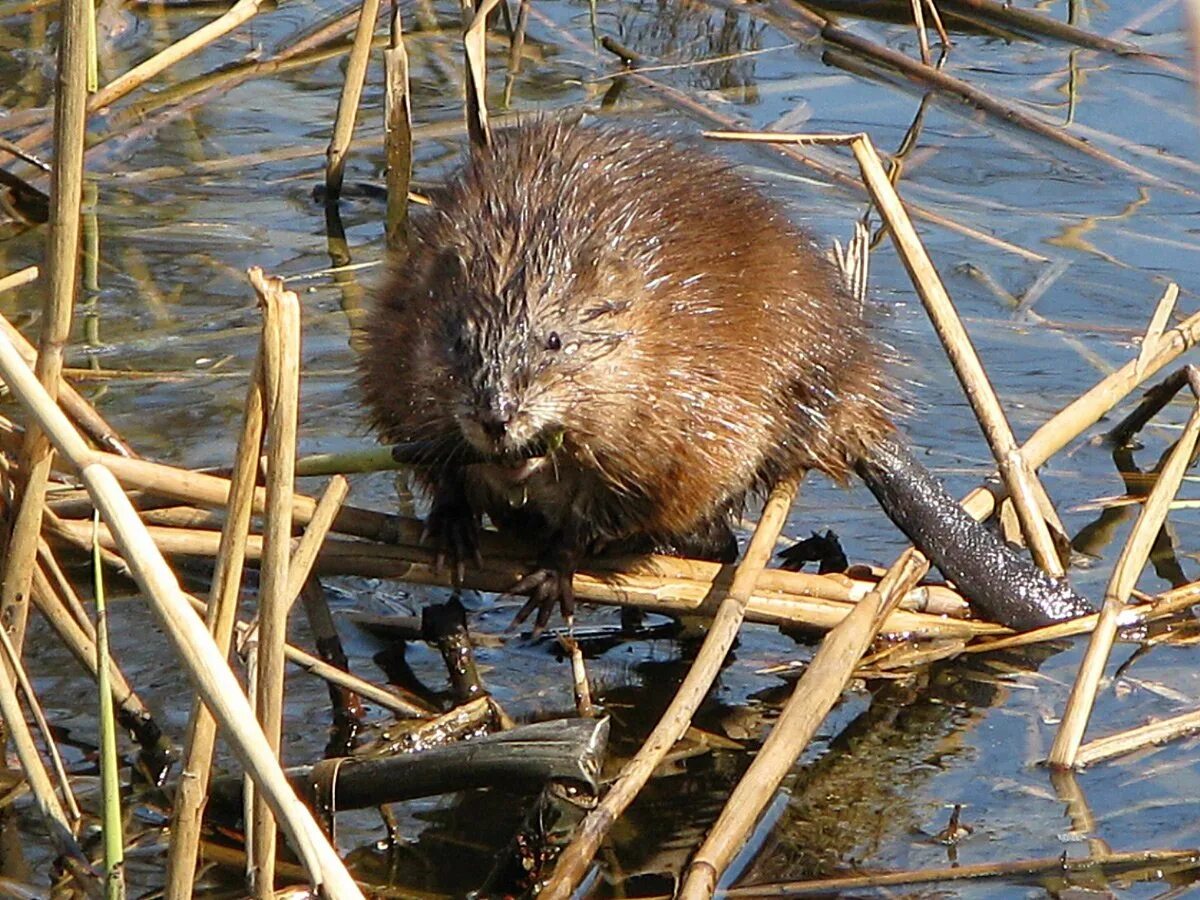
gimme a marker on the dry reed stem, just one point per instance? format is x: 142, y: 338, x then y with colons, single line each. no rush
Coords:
x: 74, y: 817
x: 919, y: 22
x: 44, y: 796
x: 813, y: 697
x: 238, y: 14
x: 398, y: 131
x: 190, y: 795
x: 19, y: 278
x: 315, y: 533
x: 62, y: 268
x: 196, y: 650
x: 347, y: 109
x: 939, y: 27
x: 577, y: 856
x: 1018, y: 476
x: 1153, y: 861
x: 64, y: 589
x: 683, y: 586
x: 1138, y: 738
x: 82, y: 645
x: 80, y: 410
x: 1086, y: 410
x: 1124, y: 578
x: 213, y: 491
x: 281, y: 395
x: 475, y: 48
x: 579, y: 680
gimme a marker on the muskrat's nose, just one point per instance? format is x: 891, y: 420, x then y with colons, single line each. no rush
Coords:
x: 496, y: 414
x: 495, y: 421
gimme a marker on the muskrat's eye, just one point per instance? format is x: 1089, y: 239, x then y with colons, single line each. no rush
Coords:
x: 460, y: 345
x: 553, y: 341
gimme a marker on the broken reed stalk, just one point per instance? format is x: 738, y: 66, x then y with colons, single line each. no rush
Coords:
x: 1124, y: 578
x: 662, y: 584
x: 812, y: 698
x: 62, y: 266
x: 35, y: 710
x: 112, y: 830
x: 347, y: 108
x: 475, y: 48
x: 83, y: 647
x: 195, y: 647
x: 80, y: 410
x: 398, y: 131
x: 1025, y: 489
x: 19, y: 278
x: 241, y: 12
x: 573, y: 863
x: 1139, y: 738
x: 1086, y: 410
x: 190, y: 795
x: 281, y: 393
x: 315, y: 532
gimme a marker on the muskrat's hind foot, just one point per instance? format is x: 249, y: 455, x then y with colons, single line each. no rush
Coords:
x: 452, y: 528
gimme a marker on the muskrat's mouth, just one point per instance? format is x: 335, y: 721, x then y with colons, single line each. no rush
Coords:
x: 516, y: 471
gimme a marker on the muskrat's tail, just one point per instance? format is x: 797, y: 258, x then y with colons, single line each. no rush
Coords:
x: 1005, y: 587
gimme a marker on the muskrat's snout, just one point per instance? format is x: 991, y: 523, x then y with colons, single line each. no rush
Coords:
x: 496, y: 425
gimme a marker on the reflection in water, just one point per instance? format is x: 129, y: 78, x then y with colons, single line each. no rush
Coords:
x: 662, y: 31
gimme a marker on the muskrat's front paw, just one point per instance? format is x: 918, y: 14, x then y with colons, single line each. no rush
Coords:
x: 547, y: 588
x: 453, y: 532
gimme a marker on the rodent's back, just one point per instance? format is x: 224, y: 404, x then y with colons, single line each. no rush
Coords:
x: 717, y: 349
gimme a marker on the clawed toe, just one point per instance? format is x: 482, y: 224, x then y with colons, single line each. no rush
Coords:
x: 547, y: 588
x: 454, y: 537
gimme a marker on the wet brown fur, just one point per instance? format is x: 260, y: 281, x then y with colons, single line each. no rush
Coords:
x: 708, y: 347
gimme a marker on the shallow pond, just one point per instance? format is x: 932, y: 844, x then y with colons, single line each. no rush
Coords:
x: 1055, y: 259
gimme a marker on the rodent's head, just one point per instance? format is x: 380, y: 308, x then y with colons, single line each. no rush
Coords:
x: 527, y: 322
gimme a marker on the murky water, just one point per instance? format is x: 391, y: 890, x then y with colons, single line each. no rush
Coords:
x: 196, y: 181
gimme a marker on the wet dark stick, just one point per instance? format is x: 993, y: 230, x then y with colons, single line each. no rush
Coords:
x: 398, y: 137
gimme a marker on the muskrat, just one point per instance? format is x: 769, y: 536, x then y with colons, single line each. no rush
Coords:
x: 607, y: 339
